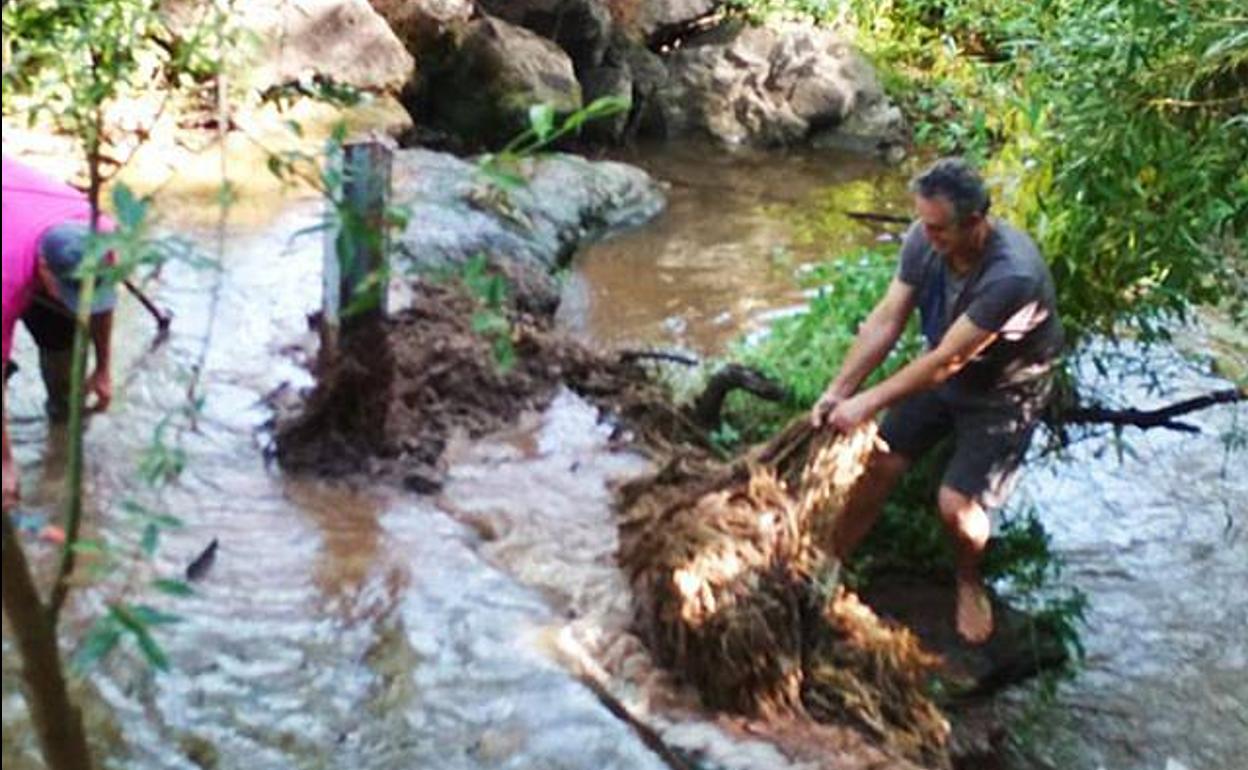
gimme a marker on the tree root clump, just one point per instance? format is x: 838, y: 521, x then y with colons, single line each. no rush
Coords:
x: 736, y: 591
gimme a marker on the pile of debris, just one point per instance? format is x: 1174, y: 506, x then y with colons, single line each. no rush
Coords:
x: 736, y: 591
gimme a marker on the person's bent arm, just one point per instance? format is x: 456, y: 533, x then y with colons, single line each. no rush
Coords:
x: 101, y: 382
x: 961, y: 343
x: 876, y: 337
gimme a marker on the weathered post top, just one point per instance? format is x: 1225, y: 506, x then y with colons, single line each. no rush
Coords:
x: 356, y: 272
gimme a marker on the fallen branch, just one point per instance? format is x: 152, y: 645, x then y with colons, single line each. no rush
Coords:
x: 873, y: 216
x: 1153, y: 418
x: 629, y: 356
x: 706, y: 410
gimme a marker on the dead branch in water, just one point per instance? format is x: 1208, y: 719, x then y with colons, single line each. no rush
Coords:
x: 1163, y: 417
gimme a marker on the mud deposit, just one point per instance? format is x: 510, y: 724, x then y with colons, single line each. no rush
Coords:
x: 404, y: 386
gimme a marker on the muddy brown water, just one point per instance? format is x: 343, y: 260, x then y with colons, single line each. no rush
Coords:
x: 366, y: 628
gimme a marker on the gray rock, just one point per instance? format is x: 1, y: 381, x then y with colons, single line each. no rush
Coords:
x: 528, y: 232
x: 421, y: 23
x: 777, y: 85
x: 654, y: 17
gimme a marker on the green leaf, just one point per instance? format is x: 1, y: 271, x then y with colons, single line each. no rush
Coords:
x: 82, y: 546
x: 504, y: 179
x: 542, y: 121
x: 173, y: 587
x: 504, y: 353
x: 153, y: 617
x: 129, y: 209
x: 339, y: 133
x: 139, y: 630
x: 151, y: 538
x: 98, y: 643
x: 485, y: 322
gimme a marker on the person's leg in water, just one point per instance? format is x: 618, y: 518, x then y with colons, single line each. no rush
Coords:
x: 989, y: 444
x: 968, y: 525
x: 910, y: 429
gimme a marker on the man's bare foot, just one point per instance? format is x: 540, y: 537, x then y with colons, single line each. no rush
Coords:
x: 974, y: 620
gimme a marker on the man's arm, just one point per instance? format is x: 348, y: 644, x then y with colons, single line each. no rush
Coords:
x: 961, y: 343
x: 875, y: 339
x: 101, y: 381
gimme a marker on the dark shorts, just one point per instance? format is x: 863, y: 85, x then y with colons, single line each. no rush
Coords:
x: 52, y: 329
x: 988, y: 441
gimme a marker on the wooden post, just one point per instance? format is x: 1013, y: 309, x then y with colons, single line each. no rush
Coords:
x: 356, y: 273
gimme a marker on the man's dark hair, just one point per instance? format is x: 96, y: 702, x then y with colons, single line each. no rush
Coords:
x: 954, y: 180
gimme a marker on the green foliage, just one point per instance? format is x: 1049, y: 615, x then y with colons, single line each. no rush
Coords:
x: 124, y: 621
x: 1115, y: 132
x: 67, y: 62
x: 500, y: 169
x: 489, y: 320
x: 803, y: 352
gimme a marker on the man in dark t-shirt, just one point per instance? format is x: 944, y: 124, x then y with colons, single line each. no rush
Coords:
x: 986, y: 302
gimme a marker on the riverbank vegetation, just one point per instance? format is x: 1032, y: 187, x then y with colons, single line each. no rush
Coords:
x: 1116, y: 133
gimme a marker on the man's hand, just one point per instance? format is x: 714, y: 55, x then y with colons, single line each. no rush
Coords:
x: 824, y: 406
x: 852, y: 412
x: 12, y: 485
x: 101, y: 384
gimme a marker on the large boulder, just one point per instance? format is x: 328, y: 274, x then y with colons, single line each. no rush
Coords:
x: 341, y: 40
x: 776, y: 85
x: 582, y: 28
x: 482, y: 89
x: 655, y: 19
x: 422, y: 24
x: 527, y: 231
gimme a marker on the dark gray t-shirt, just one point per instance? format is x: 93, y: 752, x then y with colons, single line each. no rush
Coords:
x: 1010, y: 292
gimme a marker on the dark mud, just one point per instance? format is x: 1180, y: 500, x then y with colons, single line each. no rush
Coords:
x: 402, y: 387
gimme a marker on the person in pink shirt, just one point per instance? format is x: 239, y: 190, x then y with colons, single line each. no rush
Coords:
x: 46, y: 231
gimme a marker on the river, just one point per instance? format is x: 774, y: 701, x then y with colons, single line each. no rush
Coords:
x: 346, y: 627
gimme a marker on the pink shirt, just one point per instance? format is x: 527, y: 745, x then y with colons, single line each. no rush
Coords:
x: 32, y: 202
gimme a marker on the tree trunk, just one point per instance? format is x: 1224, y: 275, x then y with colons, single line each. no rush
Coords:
x: 58, y: 723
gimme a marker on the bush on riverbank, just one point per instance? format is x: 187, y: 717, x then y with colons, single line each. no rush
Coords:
x: 1116, y: 133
